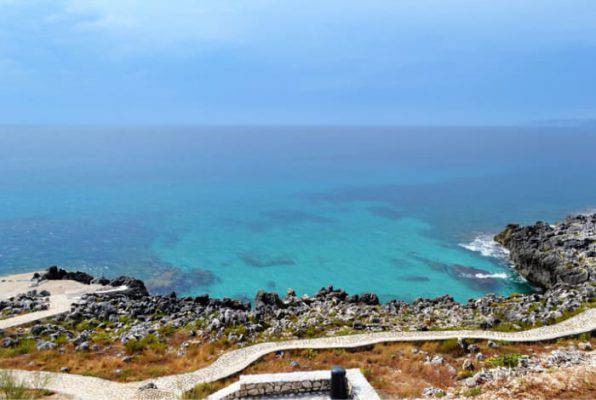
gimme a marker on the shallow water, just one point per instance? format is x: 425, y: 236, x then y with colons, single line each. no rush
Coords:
x: 401, y: 212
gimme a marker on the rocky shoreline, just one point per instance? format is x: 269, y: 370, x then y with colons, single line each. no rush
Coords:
x: 542, y: 254
x: 547, y: 255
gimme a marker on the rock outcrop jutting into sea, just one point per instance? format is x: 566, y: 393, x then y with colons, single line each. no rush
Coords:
x: 549, y: 254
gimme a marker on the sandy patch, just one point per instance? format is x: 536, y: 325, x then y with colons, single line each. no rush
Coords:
x: 12, y: 285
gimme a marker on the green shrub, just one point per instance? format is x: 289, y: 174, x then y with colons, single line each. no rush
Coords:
x: 167, y: 330
x: 86, y: 325
x: 344, y: 331
x: 25, y: 346
x: 101, y: 337
x: 310, y: 354
x: 506, y: 327
x: 584, y: 337
x: 237, y: 330
x: 534, y: 307
x: 449, y: 346
x: 203, y: 390
x: 311, y: 331
x: 473, y: 392
x: 506, y: 360
x: 148, y: 342
x: 568, y: 314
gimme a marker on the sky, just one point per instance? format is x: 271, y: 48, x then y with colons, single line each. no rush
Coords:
x: 337, y: 62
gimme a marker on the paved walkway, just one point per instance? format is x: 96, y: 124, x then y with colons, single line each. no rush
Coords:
x: 88, y: 388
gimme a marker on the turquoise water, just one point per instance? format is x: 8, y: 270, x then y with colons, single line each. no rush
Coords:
x: 403, y: 212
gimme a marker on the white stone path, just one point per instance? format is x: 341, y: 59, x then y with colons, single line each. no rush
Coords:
x: 89, y: 388
x: 63, y: 293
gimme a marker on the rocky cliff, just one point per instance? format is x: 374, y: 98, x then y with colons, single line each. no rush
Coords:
x: 546, y: 254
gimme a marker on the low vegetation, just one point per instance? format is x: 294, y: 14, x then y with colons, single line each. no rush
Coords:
x: 505, y: 360
x: 12, y: 389
x: 395, y: 370
x: 203, y: 390
x: 473, y: 392
x: 135, y: 360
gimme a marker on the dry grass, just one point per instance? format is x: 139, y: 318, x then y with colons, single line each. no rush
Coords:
x: 564, y: 384
x: 396, y: 370
x: 393, y: 369
x: 152, y: 361
x: 203, y: 390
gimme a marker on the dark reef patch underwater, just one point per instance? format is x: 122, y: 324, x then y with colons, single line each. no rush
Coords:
x: 230, y: 211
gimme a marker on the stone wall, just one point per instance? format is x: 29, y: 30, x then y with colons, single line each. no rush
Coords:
x: 279, y: 388
x: 299, y: 383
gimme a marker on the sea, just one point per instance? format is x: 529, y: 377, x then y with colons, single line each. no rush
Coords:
x: 403, y: 212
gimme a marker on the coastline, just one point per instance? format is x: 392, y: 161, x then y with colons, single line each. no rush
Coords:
x: 332, y: 311
x: 113, y: 318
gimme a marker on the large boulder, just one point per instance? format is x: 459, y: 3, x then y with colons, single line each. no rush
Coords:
x: 267, y: 300
x: 135, y: 286
x: 55, y: 273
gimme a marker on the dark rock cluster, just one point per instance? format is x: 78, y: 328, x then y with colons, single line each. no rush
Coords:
x: 127, y: 316
x: 549, y: 254
x: 135, y: 286
x: 24, y: 303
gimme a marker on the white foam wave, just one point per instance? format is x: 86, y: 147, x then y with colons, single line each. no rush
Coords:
x: 486, y: 245
x: 492, y: 276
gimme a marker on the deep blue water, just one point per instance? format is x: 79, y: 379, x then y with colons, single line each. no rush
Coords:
x: 230, y: 211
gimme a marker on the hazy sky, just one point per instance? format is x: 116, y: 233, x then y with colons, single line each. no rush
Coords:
x: 297, y: 62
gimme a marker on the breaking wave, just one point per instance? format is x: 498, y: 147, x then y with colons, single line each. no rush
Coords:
x: 486, y: 245
x: 492, y: 276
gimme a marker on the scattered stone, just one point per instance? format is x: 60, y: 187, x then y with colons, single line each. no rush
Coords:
x: 84, y: 346
x: 473, y: 348
x: 436, y: 360
x: 433, y: 392
x: 148, y: 386
x: 462, y: 344
x: 451, y: 369
x: 584, y: 346
x: 492, y: 344
x: 41, y: 346
x: 468, y: 365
